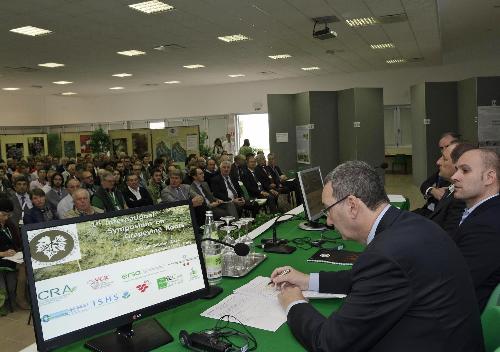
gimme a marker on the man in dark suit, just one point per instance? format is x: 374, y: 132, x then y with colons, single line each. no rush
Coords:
x: 408, y: 291
x: 135, y: 195
x: 478, y: 236
x: 107, y: 197
x: 238, y: 168
x: 210, y: 170
x: 256, y: 188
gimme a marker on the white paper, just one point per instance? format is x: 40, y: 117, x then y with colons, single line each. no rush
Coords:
x: 303, y: 144
x: 192, y: 142
x: 281, y: 137
x: 16, y: 258
x: 488, y: 127
x: 396, y: 198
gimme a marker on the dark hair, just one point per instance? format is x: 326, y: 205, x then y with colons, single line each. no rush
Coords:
x: 21, y: 178
x: 453, y: 135
x: 459, y: 149
x: 218, y: 142
x: 194, y: 171
x: 246, y: 142
x: 37, y: 192
x: 249, y: 155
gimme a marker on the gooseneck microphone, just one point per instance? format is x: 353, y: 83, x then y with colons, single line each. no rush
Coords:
x: 276, y: 245
x: 240, y: 249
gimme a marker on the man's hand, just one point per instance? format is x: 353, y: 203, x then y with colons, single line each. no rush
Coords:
x: 264, y: 194
x: 8, y: 253
x: 438, y: 193
x: 294, y: 277
x: 197, y: 201
x: 239, y: 201
x: 274, y: 193
x: 283, y: 178
x: 289, y: 294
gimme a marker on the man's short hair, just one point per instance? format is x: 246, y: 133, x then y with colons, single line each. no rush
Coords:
x: 194, y: 171
x: 249, y: 155
x: 225, y: 162
x: 459, y: 149
x: 490, y: 160
x: 176, y: 173
x: 105, y: 174
x: 37, y: 192
x: 359, y: 179
x: 21, y: 178
x: 129, y: 176
x: 453, y: 135
x: 260, y: 157
x: 80, y: 190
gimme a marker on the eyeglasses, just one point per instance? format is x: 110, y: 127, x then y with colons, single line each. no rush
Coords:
x: 327, y: 209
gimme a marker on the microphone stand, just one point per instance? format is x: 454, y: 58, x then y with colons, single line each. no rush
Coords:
x: 276, y: 245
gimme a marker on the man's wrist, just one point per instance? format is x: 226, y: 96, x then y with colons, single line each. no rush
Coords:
x: 427, y: 192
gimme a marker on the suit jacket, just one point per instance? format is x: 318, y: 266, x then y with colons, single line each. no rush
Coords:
x: 102, y: 200
x: 478, y: 238
x: 264, y: 177
x: 132, y: 201
x: 219, y: 188
x: 251, y: 184
x: 408, y: 291
x: 170, y: 194
x: 448, y: 212
x: 206, y: 190
x: 17, y: 213
x: 275, y: 173
x: 433, y: 181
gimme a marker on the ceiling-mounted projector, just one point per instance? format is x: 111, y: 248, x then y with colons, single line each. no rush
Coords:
x: 325, y: 33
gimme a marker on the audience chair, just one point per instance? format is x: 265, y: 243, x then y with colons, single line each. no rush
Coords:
x: 490, y: 319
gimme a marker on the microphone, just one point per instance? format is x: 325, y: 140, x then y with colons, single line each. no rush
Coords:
x: 276, y: 245
x: 240, y: 249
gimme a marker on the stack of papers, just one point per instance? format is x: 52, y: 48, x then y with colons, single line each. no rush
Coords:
x: 396, y: 198
x: 16, y: 258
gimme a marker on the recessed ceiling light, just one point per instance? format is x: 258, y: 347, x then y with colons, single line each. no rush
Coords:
x: 382, y: 46
x: 51, y: 65
x: 121, y: 75
x: 279, y: 56
x: 62, y: 82
x: 395, y: 61
x: 151, y: 6
x: 233, y: 38
x: 194, y: 66
x: 11, y: 88
x: 157, y: 125
x: 312, y: 68
x: 361, y: 22
x: 132, y: 52
x: 172, y: 82
x: 237, y: 75
x: 116, y: 88
x: 31, y: 31
x: 69, y: 93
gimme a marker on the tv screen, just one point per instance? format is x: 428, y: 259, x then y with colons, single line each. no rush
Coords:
x: 311, y: 185
x: 90, y: 274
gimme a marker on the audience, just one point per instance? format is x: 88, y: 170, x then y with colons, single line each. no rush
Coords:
x: 66, y: 204
x: 107, y: 197
x: 40, y: 212
x: 82, y: 206
x: 135, y: 194
x: 255, y: 186
x: 56, y: 193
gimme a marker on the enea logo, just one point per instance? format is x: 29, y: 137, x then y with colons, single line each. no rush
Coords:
x: 99, y: 282
x: 143, y: 287
x: 139, y: 274
x: 55, y: 294
x: 168, y: 281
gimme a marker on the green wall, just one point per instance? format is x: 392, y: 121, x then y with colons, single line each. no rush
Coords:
x: 467, y: 109
x: 418, y: 133
x: 281, y: 119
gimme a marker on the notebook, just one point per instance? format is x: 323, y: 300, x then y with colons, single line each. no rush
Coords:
x: 340, y: 257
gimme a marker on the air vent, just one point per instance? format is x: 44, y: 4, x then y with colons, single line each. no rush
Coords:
x: 334, y: 51
x: 267, y: 73
x: 22, y: 69
x: 415, y: 59
x: 36, y: 86
x: 394, y: 18
x: 169, y: 47
x: 151, y: 84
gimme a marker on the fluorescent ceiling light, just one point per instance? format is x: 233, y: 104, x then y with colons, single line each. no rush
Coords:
x: 312, y: 68
x: 121, y: 75
x: 172, y: 82
x: 62, y: 82
x: 132, y: 52
x: 116, y: 88
x: 31, y: 31
x: 11, y: 88
x: 194, y: 66
x: 233, y: 38
x: 361, y: 22
x: 157, y: 125
x: 151, y: 7
x: 279, y: 56
x: 382, y: 46
x: 395, y: 61
x: 51, y: 65
x: 69, y: 93
x: 237, y: 75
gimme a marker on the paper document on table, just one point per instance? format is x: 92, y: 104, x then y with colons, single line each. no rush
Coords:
x: 16, y: 258
x: 258, y: 312
x: 396, y: 198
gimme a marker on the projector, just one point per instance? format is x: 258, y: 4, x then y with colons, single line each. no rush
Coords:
x: 325, y: 33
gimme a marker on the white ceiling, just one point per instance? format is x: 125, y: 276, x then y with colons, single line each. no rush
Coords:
x: 88, y: 33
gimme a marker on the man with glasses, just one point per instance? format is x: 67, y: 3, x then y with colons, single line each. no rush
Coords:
x: 56, y: 193
x: 66, y: 204
x: 410, y: 290
x: 107, y: 197
x: 88, y: 182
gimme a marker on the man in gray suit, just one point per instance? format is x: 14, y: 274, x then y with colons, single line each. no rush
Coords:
x: 20, y: 199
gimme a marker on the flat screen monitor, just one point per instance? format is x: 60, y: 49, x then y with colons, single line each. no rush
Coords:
x: 311, y: 186
x: 91, y: 274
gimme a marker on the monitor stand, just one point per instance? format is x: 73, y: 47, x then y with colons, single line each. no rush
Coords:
x: 312, y: 226
x: 144, y: 336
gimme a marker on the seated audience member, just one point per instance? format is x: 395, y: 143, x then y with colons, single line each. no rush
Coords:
x: 5, y: 184
x: 156, y: 185
x: 107, y: 197
x: 478, y: 236
x: 20, y: 198
x: 142, y: 175
x: 238, y: 168
x: 409, y: 290
x: 135, y: 195
x: 210, y: 170
x: 56, y: 193
x: 284, y: 184
x: 448, y: 210
x: 41, y: 181
x: 88, y: 182
x: 263, y: 173
x: 255, y: 187
x: 34, y: 172
x: 434, y: 187
x: 82, y: 206
x: 70, y: 172
x: 176, y: 191
x: 40, y: 212
x: 50, y: 174
x: 218, y: 206
x: 66, y: 203
x: 10, y: 244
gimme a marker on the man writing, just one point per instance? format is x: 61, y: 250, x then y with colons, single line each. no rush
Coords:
x: 408, y: 291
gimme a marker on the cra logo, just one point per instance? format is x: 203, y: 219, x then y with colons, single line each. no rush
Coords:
x: 56, y: 293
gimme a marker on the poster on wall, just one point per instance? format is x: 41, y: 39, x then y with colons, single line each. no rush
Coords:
x: 488, y: 127
x: 85, y: 144
x: 69, y: 149
x: 139, y: 144
x: 303, y: 144
x: 14, y: 150
x: 176, y: 142
x: 36, y: 146
x: 119, y: 146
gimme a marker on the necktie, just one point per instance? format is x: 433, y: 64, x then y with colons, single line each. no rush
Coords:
x: 180, y: 194
x: 230, y: 186
x: 257, y: 181
x: 23, y: 202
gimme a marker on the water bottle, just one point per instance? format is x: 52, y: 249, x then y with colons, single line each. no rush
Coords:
x: 212, y: 252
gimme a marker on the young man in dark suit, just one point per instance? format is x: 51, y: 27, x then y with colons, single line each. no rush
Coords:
x: 478, y: 236
x: 255, y: 187
x: 410, y: 289
x: 135, y: 195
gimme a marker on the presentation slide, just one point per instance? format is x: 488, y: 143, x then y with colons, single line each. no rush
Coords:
x: 93, y: 271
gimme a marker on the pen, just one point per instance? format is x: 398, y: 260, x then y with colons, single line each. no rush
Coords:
x: 283, y: 273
